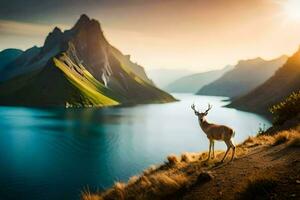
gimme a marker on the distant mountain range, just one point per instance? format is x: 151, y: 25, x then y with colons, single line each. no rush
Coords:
x: 163, y: 77
x: 192, y: 83
x: 285, y: 81
x: 244, y: 77
x: 77, y: 67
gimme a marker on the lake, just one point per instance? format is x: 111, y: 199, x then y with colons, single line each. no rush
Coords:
x: 55, y: 153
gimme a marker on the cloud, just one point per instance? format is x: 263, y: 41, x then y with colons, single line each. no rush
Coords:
x: 25, y: 29
x: 14, y: 34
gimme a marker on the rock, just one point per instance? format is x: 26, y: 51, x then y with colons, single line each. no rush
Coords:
x: 204, y: 177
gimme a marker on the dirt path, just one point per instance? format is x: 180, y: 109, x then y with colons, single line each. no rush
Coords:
x: 279, y: 162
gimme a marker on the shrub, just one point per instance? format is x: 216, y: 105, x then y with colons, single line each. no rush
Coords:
x: 280, y: 139
x: 261, y: 130
x: 291, y: 136
x: 173, y: 159
x: 287, y: 109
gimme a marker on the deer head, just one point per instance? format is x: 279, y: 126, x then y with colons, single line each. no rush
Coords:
x: 201, y: 115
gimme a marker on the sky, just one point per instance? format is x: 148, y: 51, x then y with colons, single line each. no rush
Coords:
x: 196, y: 35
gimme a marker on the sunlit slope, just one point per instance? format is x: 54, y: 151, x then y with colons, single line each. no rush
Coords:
x: 93, y: 91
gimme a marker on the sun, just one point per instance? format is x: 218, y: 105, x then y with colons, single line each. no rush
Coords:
x: 292, y: 9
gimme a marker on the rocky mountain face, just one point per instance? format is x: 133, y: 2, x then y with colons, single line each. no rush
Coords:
x: 285, y: 81
x: 77, y: 67
x: 192, y: 83
x: 244, y: 77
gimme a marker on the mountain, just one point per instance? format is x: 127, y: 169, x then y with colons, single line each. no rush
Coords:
x: 192, y: 83
x: 285, y: 81
x: 163, y: 77
x: 244, y: 77
x: 8, y: 55
x: 77, y: 67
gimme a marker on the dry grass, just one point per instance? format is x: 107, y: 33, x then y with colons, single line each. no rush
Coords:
x: 133, y: 180
x: 166, y: 184
x: 87, y: 195
x: 147, y: 187
x: 189, y: 157
x: 277, y: 139
x: 285, y: 136
x: 256, y: 141
x: 150, y: 170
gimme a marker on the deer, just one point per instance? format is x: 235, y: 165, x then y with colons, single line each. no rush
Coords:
x: 215, y: 132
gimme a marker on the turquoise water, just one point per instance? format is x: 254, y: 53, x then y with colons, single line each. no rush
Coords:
x: 55, y: 153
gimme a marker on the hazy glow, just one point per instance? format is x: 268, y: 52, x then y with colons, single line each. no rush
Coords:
x: 292, y: 9
x: 196, y: 35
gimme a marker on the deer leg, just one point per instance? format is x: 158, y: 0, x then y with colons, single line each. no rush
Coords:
x: 213, y: 149
x: 233, y: 150
x: 228, y: 148
x: 209, y: 150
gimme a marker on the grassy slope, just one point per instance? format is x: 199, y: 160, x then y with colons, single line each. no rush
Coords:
x: 265, y: 167
x: 91, y: 89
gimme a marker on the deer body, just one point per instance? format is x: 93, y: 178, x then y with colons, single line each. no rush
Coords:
x: 215, y: 132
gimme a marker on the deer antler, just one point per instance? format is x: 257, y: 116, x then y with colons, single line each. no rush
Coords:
x: 193, y: 107
x: 209, y: 107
